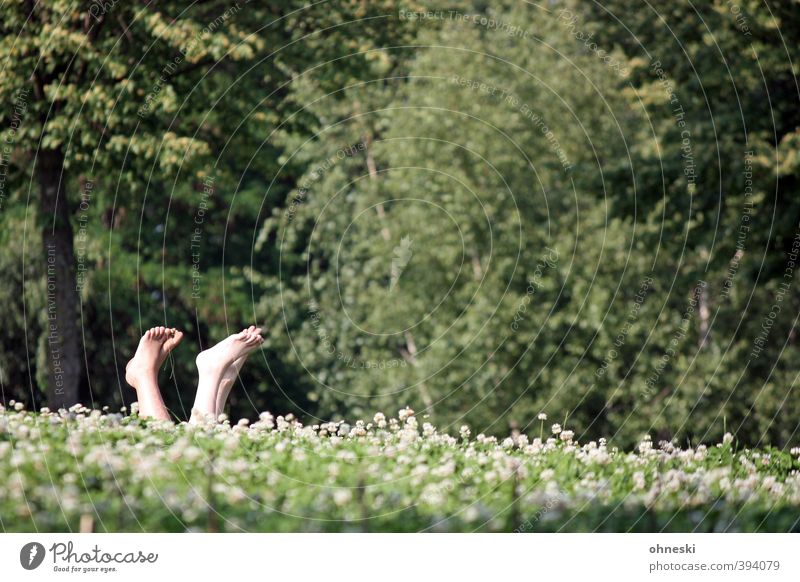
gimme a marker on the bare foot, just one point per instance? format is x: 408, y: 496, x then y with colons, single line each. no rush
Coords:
x: 216, y: 360
x: 142, y: 371
x: 144, y: 365
x: 231, y: 373
x: 173, y: 338
x: 213, y: 363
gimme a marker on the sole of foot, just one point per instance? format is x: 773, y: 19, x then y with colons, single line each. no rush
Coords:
x: 146, y: 360
x: 232, y: 372
x: 218, y: 359
x: 174, y: 337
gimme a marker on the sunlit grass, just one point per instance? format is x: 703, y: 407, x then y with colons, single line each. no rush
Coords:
x: 82, y: 469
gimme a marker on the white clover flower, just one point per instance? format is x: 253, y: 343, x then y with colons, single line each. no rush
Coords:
x: 342, y: 497
x: 471, y: 513
x: 556, y: 428
x: 405, y: 413
x: 435, y: 469
x: 541, y: 416
x: 432, y: 495
x: 379, y: 419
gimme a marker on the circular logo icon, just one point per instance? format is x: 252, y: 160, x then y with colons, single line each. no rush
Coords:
x: 31, y: 555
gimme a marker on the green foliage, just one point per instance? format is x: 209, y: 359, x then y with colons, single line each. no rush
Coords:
x: 386, y: 475
x: 482, y: 212
x: 148, y: 106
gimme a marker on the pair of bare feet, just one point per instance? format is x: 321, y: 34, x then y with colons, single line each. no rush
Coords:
x: 218, y: 367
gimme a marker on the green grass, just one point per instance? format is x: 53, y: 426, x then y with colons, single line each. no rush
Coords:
x: 120, y: 473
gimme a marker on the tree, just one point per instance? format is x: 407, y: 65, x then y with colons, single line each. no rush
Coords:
x: 720, y: 88
x: 111, y: 95
x: 466, y: 145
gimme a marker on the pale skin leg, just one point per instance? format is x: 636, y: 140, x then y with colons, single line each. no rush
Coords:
x: 218, y: 366
x: 227, y: 382
x: 230, y: 375
x: 142, y: 371
x: 213, y: 364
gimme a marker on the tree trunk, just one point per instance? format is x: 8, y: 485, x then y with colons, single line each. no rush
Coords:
x: 705, y: 314
x: 61, y: 306
x: 410, y: 353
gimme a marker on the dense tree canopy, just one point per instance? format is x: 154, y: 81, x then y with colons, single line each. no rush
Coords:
x: 483, y: 212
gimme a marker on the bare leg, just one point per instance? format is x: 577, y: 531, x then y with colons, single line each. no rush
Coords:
x: 142, y: 371
x: 212, y: 365
x: 227, y: 382
x: 230, y: 375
